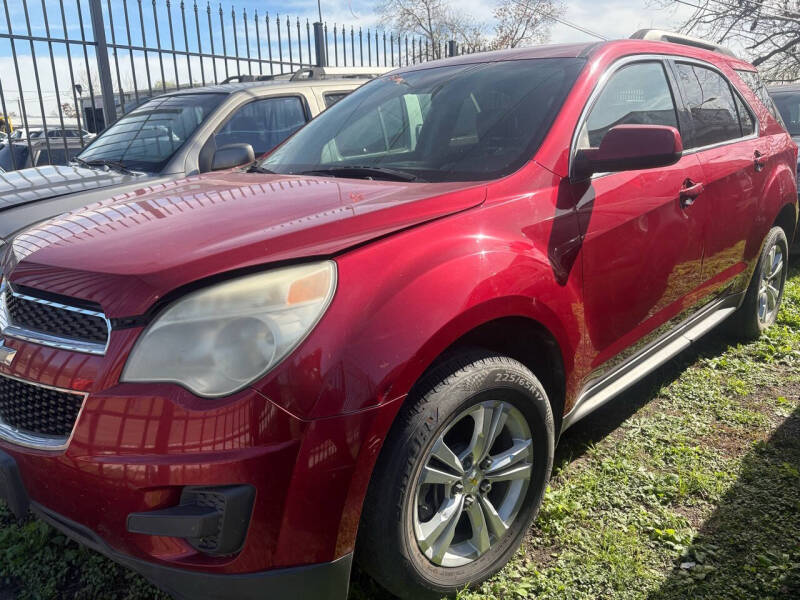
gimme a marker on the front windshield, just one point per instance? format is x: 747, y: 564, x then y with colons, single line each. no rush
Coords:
x: 789, y: 106
x: 449, y: 123
x: 147, y: 137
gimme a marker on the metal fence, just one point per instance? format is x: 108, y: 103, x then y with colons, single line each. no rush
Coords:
x: 92, y: 60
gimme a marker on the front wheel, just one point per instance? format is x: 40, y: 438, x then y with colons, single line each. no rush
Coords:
x: 460, y: 478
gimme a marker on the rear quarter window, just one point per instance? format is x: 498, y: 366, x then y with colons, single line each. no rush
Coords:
x: 753, y: 80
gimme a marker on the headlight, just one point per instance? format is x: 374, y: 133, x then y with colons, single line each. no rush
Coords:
x: 220, y: 339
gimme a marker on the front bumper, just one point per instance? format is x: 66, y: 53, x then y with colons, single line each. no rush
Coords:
x: 322, y: 581
x: 136, y: 448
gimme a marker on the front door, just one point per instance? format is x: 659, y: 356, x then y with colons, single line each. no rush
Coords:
x: 643, y: 242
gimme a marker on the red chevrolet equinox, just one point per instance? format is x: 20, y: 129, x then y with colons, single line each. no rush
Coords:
x: 367, y: 343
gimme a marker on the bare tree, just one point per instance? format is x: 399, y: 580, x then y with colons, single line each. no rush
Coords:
x: 517, y: 22
x: 767, y: 30
x: 524, y: 22
x: 425, y: 18
x: 436, y: 21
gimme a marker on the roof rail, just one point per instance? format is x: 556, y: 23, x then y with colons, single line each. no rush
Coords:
x: 660, y: 35
x: 339, y: 72
x: 315, y: 73
x: 247, y: 78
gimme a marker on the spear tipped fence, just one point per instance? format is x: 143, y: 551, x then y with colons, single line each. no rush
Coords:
x: 83, y: 63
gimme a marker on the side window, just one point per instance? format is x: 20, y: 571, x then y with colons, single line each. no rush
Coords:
x: 756, y: 85
x: 332, y: 98
x: 637, y: 94
x: 710, y: 101
x: 746, y: 119
x: 263, y: 124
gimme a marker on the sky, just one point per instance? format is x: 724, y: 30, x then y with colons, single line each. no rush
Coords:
x: 610, y: 18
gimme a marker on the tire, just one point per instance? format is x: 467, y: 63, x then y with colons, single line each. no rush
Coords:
x: 761, y: 304
x: 401, y: 510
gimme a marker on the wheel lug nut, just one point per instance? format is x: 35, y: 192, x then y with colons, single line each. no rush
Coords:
x: 458, y: 487
x: 468, y: 500
x: 485, y: 487
x: 467, y: 463
x: 486, y: 463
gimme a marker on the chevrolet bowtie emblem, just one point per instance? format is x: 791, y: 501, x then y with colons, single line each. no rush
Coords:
x: 6, y: 354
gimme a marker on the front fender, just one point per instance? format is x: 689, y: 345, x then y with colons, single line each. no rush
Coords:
x: 400, y: 302
x: 403, y: 300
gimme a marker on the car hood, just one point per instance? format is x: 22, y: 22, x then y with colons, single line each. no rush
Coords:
x: 127, y: 252
x: 41, y: 183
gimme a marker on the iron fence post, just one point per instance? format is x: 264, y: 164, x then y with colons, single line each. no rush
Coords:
x: 319, y: 45
x: 103, y: 66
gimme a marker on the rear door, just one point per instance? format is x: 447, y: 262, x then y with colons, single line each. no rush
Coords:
x: 734, y: 160
x: 643, y: 240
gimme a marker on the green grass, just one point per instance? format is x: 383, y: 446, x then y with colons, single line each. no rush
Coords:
x: 687, y: 486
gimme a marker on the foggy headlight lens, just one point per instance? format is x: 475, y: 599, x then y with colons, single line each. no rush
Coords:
x: 220, y: 339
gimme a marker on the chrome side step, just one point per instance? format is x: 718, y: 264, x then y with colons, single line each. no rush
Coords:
x: 597, y: 393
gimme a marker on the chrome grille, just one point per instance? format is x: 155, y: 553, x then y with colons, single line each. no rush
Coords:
x: 37, y: 416
x: 36, y: 319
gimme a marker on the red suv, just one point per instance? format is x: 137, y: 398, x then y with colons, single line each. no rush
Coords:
x: 370, y: 341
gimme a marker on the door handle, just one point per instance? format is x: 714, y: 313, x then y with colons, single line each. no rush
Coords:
x: 758, y: 161
x: 690, y: 191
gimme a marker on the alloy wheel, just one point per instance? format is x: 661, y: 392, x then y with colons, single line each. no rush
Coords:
x: 473, y: 483
x: 770, y: 285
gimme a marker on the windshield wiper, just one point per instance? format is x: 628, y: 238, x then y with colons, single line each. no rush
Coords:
x: 365, y: 172
x: 256, y: 168
x: 105, y: 162
x: 81, y: 162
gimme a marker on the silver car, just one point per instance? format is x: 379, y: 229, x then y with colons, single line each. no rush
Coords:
x: 169, y: 137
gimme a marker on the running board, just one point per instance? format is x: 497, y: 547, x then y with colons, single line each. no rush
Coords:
x: 650, y: 358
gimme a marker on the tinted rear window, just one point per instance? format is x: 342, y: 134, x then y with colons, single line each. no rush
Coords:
x: 711, y: 104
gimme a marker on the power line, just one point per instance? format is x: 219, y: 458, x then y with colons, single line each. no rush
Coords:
x: 561, y: 20
x: 764, y: 15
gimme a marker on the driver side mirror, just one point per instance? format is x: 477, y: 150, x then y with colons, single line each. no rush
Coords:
x: 630, y: 147
x: 232, y: 155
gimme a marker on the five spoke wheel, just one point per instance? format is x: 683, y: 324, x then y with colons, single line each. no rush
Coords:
x: 473, y: 483
x: 769, y: 288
